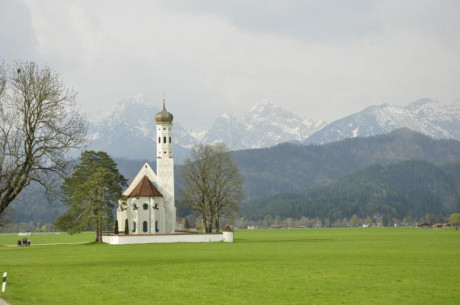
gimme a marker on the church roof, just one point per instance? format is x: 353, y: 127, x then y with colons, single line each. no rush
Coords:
x: 164, y: 116
x: 145, y: 188
x: 228, y: 228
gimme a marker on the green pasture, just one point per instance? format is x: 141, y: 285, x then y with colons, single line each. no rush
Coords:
x: 297, y: 266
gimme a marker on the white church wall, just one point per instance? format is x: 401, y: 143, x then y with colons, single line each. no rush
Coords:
x: 154, y: 207
x: 165, y: 173
x: 144, y: 214
x: 166, y: 238
x: 228, y: 237
x: 147, y: 220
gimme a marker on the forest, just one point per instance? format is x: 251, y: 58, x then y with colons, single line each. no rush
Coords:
x: 408, y: 189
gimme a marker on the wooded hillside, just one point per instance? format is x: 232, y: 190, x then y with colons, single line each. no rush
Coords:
x: 290, y: 168
x: 406, y: 189
x: 361, y: 176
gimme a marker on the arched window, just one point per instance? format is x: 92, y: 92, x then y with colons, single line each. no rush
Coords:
x: 144, y: 226
x: 159, y: 139
x: 145, y: 206
x: 164, y: 140
x: 169, y: 140
x: 134, y: 227
x: 156, y: 226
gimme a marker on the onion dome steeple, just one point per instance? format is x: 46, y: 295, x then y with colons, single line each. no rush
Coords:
x: 164, y: 116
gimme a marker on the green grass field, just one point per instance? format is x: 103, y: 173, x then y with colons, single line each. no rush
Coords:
x: 304, y: 266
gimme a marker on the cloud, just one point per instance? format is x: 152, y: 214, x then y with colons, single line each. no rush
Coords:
x: 327, y: 21
x: 16, y: 35
x: 324, y: 59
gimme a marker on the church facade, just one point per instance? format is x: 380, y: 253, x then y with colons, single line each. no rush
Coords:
x: 147, y: 206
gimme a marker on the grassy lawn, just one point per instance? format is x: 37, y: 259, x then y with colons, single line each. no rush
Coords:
x: 305, y: 266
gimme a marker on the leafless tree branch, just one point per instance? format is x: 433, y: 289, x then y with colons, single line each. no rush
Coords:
x: 213, y: 186
x: 39, y: 124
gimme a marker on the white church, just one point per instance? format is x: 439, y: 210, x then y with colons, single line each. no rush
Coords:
x: 149, y: 199
x: 148, y: 203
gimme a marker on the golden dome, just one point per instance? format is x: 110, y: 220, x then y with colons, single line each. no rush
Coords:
x: 164, y: 116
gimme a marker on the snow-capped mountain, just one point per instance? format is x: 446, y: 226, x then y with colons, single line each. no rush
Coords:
x: 128, y: 130
x: 426, y: 116
x: 265, y: 125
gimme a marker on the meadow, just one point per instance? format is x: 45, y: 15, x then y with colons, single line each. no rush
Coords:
x: 292, y: 266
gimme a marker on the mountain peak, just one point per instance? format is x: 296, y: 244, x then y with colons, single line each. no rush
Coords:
x: 426, y: 116
x: 262, y: 105
x: 266, y: 124
x: 226, y: 116
x: 425, y: 103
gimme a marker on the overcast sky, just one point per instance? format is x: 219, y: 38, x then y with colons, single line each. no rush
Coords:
x: 321, y: 59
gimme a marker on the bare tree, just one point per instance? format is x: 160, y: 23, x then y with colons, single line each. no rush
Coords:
x: 39, y: 124
x: 226, y: 184
x: 212, y: 184
x: 196, y: 181
x: 2, y: 80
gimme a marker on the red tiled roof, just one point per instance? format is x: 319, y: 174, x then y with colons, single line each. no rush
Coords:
x: 228, y: 228
x: 145, y: 188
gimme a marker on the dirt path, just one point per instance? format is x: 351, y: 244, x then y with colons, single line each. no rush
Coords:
x: 52, y: 244
x: 3, y: 302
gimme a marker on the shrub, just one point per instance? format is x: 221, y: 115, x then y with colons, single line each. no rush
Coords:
x: 126, y: 226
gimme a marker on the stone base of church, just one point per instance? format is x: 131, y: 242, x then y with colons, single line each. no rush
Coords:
x: 121, y: 239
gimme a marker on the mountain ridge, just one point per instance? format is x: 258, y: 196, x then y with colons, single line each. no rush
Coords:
x: 289, y: 168
x: 128, y: 130
x: 426, y: 116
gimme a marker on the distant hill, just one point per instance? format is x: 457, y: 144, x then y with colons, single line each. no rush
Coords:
x: 409, y: 188
x: 289, y: 168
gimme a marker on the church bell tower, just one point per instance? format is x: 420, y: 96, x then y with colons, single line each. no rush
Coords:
x: 165, y: 164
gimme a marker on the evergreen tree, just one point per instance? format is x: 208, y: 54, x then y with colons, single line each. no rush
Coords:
x: 126, y: 227
x: 91, y: 192
x: 116, y: 227
x: 185, y: 223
